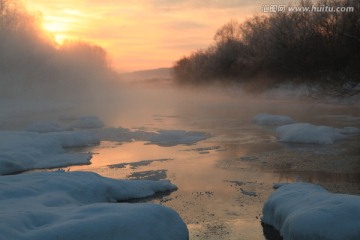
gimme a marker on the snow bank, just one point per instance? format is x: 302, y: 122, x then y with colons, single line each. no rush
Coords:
x: 268, y: 119
x: 308, y: 133
x: 20, y: 151
x: 175, y: 137
x: 80, y: 205
x: 306, y: 211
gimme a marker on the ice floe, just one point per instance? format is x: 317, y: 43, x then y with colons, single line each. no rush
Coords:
x: 81, y: 205
x: 88, y: 122
x: 309, y: 133
x: 301, y: 211
x: 269, y: 119
x: 20, y: 151
x: 24, y: 150
x: 176, y: 137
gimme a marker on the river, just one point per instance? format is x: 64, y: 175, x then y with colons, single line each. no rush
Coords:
x: 224, y: 181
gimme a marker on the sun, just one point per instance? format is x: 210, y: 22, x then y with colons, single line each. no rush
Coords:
x: 57, y: 27
x: 61, y: 24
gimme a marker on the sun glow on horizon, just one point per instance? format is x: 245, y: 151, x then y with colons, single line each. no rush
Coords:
x: 139, y: 34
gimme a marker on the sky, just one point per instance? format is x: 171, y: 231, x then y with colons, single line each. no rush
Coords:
x: 142, y: 34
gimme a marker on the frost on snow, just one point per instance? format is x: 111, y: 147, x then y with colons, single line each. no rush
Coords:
x: 268, y: 119
x: 303, y: 211
x: 80, y: 205
x: 309, y: 133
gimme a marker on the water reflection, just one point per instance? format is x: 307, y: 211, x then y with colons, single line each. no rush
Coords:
x: 224, y: 181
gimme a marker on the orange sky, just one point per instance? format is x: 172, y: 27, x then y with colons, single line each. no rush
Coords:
x: 142, y: 34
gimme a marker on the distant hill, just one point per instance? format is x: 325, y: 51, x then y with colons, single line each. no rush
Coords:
x: 151, y: 74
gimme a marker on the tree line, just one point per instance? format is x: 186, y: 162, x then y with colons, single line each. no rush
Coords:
x: 316, y: 47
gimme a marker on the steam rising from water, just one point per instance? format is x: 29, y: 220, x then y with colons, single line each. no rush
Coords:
x: 39, y: 78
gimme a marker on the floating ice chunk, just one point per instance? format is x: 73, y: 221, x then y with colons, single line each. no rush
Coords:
x: 80, y: 205
x: 44, y: 127
x: 306, y: 211
x: 268, y: 119
x: 308, y: 133
x: 88, y: 122
x: 175, y: 137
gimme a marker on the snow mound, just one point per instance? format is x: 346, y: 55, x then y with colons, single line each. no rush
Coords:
x: 175, y: 137
x: 309, y: 133
x: 306, y: 211
x: 44, y: 127
x: 20, y: 151
x: 88, y: 122
x: 268, y: 119
x: 81, y: 205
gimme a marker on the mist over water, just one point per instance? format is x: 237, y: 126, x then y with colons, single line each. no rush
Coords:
x: 39, y: 77
x: 41, y: 81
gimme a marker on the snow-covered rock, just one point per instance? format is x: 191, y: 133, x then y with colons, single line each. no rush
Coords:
x: 309, y: 133
x: 88, y: 122
x: 269, y: 119
x: 302, y: 211
x: 81, y: 205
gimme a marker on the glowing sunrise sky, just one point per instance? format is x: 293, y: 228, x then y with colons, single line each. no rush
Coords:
x: 142, y: 34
